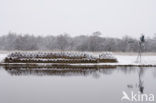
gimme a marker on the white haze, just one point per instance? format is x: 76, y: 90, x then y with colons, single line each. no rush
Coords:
x: 114, y: 18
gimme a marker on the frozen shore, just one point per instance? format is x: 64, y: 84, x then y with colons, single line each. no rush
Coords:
x: 123, y: 59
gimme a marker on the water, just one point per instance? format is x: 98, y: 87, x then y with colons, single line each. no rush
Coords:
x: 74, y: 85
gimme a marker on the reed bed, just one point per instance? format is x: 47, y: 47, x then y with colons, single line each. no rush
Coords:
x: 59, y: 57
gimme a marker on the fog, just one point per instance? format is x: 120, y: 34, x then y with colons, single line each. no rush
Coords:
x: 114, y: 18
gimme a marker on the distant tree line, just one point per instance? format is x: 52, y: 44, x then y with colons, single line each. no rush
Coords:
x: 94, y: 42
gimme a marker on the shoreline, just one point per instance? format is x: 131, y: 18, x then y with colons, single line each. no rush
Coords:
x: 82, y: 66
x: 96, y: 52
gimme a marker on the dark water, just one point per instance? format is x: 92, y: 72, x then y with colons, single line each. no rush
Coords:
x: 74, y: 85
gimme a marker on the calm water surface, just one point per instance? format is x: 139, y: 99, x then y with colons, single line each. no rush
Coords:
x: 74, y: 85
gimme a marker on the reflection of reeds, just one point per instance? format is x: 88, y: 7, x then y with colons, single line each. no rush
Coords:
x: 57, y: 71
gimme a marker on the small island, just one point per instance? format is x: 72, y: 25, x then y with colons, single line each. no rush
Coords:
x: 58, y: 59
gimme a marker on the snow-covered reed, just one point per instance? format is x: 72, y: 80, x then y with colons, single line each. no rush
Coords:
x: 106, y: 55
x: 72, y: 55
x: 59, y: 57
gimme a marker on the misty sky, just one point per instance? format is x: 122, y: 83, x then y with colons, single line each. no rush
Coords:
x: 52, y: 17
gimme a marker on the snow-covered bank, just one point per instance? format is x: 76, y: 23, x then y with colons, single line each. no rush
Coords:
x: 126, y: 59
x: 123, y: 59
x: 129, y: 60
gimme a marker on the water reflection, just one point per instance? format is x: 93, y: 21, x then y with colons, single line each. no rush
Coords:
x: 140, y: 73
x: 58, y: 72
x: 140, y: 84
x: 96, y: 72
x: 101, y: 85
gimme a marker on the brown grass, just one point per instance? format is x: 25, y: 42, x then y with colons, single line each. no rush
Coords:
x: 10, y: 60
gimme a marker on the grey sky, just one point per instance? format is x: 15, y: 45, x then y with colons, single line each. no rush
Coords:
x: 112, y: 17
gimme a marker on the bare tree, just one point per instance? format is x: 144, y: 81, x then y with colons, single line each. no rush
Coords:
x: 94, y: 42
x: 62, y: 42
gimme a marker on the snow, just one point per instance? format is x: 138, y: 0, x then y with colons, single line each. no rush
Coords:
x: 146, y: 60
x: 2, y: 56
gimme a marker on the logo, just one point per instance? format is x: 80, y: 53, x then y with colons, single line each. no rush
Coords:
x: 137, y: 97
